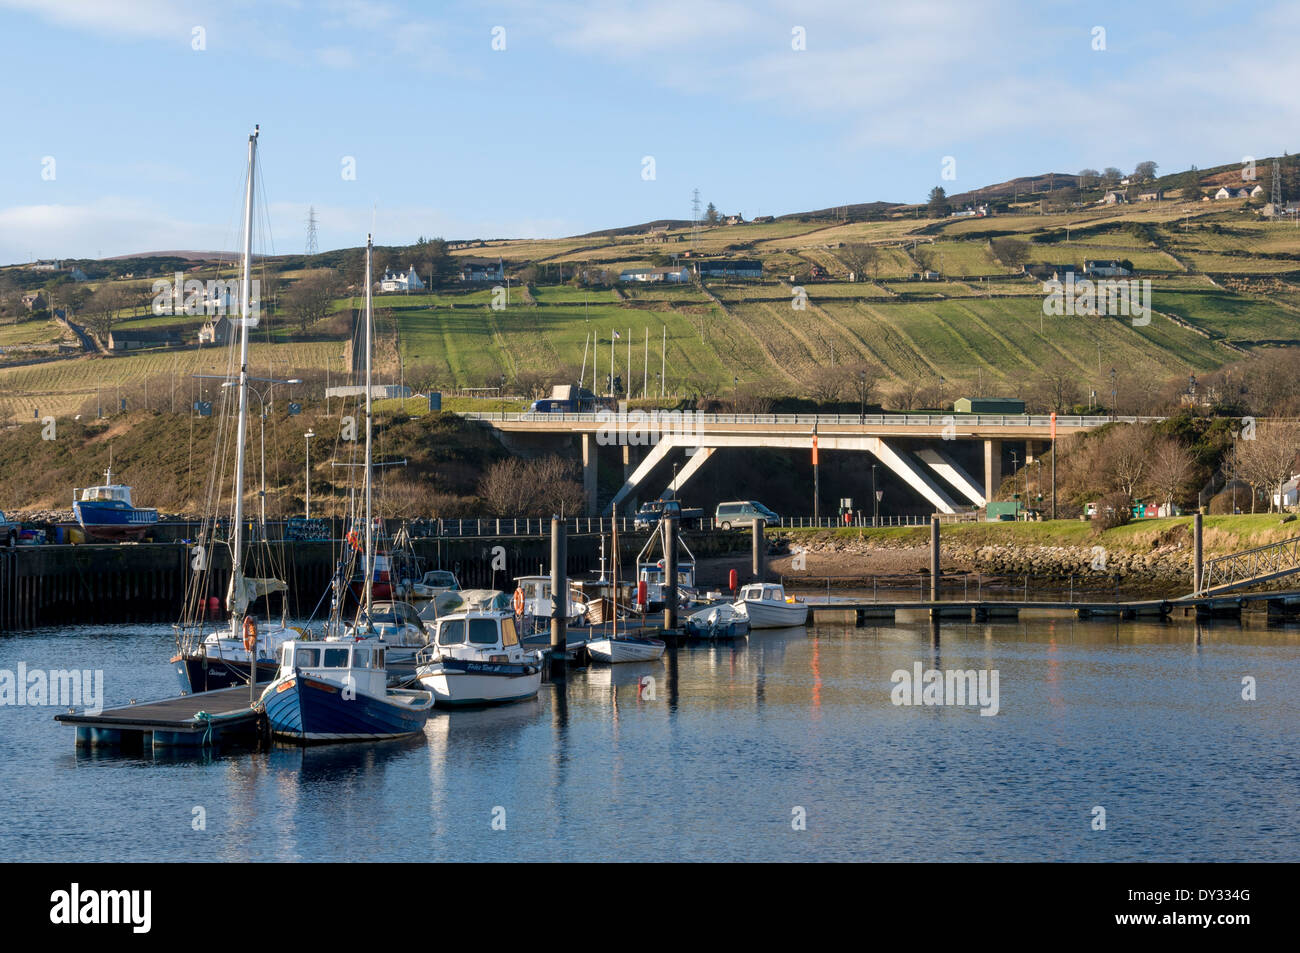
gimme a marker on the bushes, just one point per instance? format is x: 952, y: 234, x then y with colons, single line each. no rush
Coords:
x: 1112, y: 510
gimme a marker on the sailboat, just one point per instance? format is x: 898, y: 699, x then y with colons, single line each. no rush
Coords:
x: 336, y: 688
x: 240, y: 650
x: 623, y: 648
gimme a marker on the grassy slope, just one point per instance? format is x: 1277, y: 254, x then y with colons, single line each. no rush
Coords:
x: 454, y: 339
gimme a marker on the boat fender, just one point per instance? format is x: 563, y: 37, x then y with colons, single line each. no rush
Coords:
x: 250, y: 633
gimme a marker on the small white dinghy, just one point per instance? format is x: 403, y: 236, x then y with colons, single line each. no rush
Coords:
x: 625, y: 648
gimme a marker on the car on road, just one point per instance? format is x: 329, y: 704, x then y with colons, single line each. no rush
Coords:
x: 742, y: 513
x: 648, y: 516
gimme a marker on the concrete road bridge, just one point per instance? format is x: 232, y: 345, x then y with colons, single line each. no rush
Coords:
x: 939, y: 456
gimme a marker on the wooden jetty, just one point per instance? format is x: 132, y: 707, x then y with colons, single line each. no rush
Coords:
x: 200, y: 720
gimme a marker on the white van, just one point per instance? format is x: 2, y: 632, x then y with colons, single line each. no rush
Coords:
x: 743, y: 513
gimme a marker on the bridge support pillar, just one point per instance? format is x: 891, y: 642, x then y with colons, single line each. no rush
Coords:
x: 992, y: 468
x: 589, y: 485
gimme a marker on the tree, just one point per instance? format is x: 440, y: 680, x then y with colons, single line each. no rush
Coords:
x: 1012, y: 252
x: 1088, y: 178
x: 1190, y: 184
x: 542, y: 487
x: 826, y: 384
x: 308, y: 300
x: 1172, y: 469
x: 1127, y: 450
x: 531, y: 384
x: 1110, y: 176
x: 938, y: 206
x: 1145, y: 171
x: 860, y: 258
x: 103, y: 307
x: 711, y: 214
x: 1057, y: 387
x: 1268, y: 460
x: 863, y: 378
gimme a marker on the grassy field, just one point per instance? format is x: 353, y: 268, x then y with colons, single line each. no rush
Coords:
x: 915, y: 330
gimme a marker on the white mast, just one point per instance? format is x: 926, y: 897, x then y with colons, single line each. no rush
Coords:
x: 236, y: 599
x: 370, y: 552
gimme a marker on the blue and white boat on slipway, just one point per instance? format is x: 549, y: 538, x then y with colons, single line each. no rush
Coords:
x: 338, y: 691
x: 106, y: 511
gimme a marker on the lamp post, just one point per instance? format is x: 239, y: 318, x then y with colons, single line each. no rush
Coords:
x: 1113, y: 390
x: 875, y: 498
x: 307, y: 476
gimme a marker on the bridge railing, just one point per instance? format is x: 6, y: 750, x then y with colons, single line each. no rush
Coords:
x: 491, y: 526
x: 860, y: 420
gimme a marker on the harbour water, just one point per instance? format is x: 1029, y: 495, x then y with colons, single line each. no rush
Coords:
x: 786, y: 746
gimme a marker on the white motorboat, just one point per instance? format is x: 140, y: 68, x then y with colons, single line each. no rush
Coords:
x: 535, y: 592
x: 625, y: 648
x: 476, y: 659
x: 768, y: 607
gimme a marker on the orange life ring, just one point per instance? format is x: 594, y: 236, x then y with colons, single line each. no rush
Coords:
x: 250, y: 633
x: 519, y: 601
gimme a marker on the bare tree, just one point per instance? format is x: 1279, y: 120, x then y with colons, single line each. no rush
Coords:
x: 1268, y: 460
x: 514, y: 487
x: 860, y: 258
x: 1057, y: 387
x: 103, y: 308
x: 1012, y: 252
x: 826, y: 384
x: 309, y: 299
x: 864, y: 376
x: 1172, y: 469
x: 531, y: 384
x: 1126, y: 450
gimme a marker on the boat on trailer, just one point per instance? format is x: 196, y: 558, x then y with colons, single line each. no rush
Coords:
x: 106, y: 511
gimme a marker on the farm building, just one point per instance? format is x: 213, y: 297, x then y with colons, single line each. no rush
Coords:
x: 676, y: 275
x: 1105, y: 268
x: 482, y: 270
x: 737, y: 268
x: 126, y: 340
x: 988, y: 405
x: 216, y: 331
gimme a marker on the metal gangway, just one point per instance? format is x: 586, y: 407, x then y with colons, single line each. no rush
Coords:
x: 1250, y: 566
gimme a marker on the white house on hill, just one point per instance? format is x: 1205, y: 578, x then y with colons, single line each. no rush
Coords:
x: 396, y: 283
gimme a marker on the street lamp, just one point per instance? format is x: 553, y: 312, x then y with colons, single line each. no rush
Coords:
x: 307, y: 477
x: 1112, y: 393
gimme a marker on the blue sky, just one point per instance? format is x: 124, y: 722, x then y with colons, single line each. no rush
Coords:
x: 547, y: 137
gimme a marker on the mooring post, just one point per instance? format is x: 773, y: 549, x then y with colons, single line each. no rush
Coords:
x: 670, y: 572
x: 1198, y: 555
x: 759, y: 567
x: 934, y: 559
x: 559, y: 592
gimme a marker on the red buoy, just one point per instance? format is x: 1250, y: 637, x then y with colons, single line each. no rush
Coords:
x: 642, y: 593
x: 214, y: 607
x: 733, y: 580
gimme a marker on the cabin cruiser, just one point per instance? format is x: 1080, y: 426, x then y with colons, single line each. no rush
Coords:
x: 106, y: 512
x: 338, y: 691
x: 768, y: 607
x: 475, y: 658
x: 535, y: 592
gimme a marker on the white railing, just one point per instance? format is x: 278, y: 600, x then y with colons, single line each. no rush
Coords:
x: 935, y: 420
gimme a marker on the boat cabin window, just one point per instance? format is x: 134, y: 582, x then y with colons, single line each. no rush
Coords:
x: 451, y: 632
x: 379, y: 658
x: 440, y: 578
x: 508, y: 635
x: 483, y: 631
x: 336, y: 658
x: 360, y: 656
x: 286, y: 656
x: 307, y: 658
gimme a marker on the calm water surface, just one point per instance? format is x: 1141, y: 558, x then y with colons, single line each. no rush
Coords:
x: 1145, y: 720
